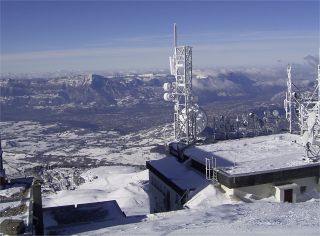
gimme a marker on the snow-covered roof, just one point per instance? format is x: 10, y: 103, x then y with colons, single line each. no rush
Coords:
x: 78, y: 218
x: 16, y: 196
x: 178, y: 174
x: 258, y: 154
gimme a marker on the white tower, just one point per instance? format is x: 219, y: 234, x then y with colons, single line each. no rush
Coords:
x: 189, y: 118
x: 1, y: 161
x: 288, y: 100
x: 2, y: 170
x: 308, y: 107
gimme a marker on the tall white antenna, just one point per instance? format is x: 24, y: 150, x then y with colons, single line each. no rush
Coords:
x: 288, y: 100
x: 308, y: 105
x: 1, y: 161
x: 319, y: 80
x: 319, y: 86
x: 2, y: 170
x: 175, y: 35
x: 189, y: 118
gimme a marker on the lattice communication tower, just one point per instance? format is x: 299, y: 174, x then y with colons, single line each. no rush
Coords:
x: 189, y: 118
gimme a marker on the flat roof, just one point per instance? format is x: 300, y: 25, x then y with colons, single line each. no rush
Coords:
x: 179, y: 176
x: 254, y: 155
x: 84, y: 217
x: 81, y: 213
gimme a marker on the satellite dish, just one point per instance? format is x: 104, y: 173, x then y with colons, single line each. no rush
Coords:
x: 275, y: 113
x: 167, y: 87
x: 168, y: 97
x: 266, y: 113
x: 195, y: 98
x: 311, y: 121
x: 305, y: 138
x: 200, y: 118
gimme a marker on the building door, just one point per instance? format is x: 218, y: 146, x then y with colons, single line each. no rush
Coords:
x: 288, y: 195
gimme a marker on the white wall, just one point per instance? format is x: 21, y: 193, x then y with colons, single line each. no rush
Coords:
x: 158, y: 192
x: 312, y: 185
x: 257, y: 191
x: 306, y: 189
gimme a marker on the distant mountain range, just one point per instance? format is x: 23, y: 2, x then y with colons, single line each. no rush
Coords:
x: 95, y: 90
x: 140, y: 95
x: 92, y: 90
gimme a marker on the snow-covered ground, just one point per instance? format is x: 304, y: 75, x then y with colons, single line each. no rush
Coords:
x: 210, y: 212
x: 113, y: 171
x: 126, y: 185
x: 227, y: 219
x: 27, y: 144
x: 7, y: 193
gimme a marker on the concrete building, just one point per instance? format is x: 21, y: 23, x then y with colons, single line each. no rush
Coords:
x: 20, y: 205
x: 249, y: 169
x: 171, y: 184
x: 81, y: 218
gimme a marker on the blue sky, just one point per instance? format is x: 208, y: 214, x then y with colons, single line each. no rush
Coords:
x: 40, y: 36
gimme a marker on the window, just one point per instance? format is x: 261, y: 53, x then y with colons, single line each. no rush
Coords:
x: 303, y: 189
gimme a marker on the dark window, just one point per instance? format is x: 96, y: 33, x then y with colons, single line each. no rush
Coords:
x: 303, y: 189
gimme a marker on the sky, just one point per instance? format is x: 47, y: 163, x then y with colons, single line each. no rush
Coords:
x: 46, y: 36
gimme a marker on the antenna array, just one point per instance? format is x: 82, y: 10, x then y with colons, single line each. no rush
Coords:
x: 189, y: 118
x: 306, y: 107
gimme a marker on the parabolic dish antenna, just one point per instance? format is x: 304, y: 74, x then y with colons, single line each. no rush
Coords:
x: 199, y: 116
x: 275, y: 113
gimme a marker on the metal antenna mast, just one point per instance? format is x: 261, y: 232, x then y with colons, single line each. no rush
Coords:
x: 2, y: 170
x: 1, y: 161
x: 175, y: 35
x: 307, y: 108
x: 319, y: 81
x: 189, y: 118
x: 288, y: 100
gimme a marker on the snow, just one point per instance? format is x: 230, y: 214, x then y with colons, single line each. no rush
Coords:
x: 5, y: 205
x: 259, y: 154
x: 122, y: 184
x: 8, y: 192
x: 107, y: 211
x: 208, y: 197
x: 68, y: 135
x: 260, y: 218
x: 23, y: 149
x: 9, y: 199
x: 210, y: 211
x: 185, y: 178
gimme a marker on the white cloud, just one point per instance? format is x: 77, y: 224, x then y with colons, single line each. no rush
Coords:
x: 78, y: 53
x: 147, y: 52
